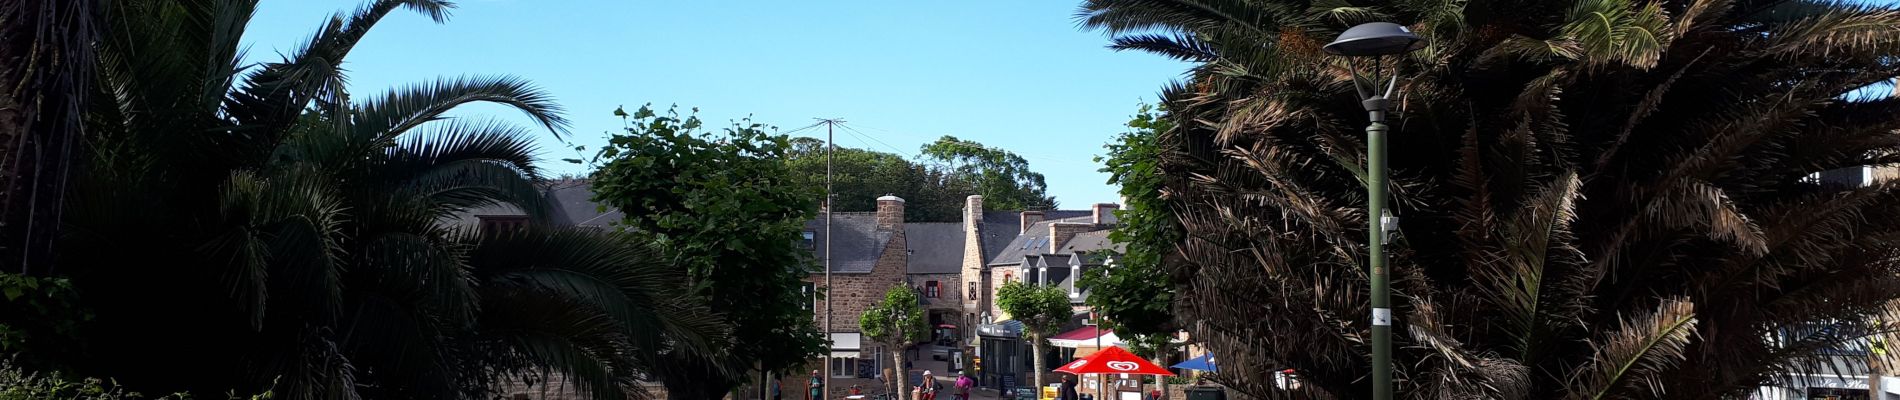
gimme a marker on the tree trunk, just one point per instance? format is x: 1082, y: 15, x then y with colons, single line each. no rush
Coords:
x: 46, y: 60
x: 1875, y: 368
x: 903, y: 374
x: 1035, y: 374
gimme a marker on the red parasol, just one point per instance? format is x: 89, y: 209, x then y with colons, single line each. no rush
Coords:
x: 1113, y: 360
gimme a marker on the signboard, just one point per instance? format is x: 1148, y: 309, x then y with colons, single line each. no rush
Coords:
x: 1009, y: 382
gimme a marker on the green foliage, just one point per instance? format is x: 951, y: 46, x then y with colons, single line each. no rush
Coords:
x: 1042, y: 309
x: 255, y: 228
x: 18, y: 384
x: 40, y: 317
x: 1003, y: 178
x: 1597, y: 198
x: 934, y: 189
x: 1133, y: 292
x: 860, y: 176
x: 896, y: 320
x: 729, y: 212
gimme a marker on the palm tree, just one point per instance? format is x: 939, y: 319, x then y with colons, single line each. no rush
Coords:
x: 45, y: 59
x: 1600, y: 198
x: 254, y: 227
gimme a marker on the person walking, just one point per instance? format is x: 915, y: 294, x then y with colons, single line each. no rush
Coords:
x: 778, y: 387
x: 1067, y: 392
x: 817, y: 391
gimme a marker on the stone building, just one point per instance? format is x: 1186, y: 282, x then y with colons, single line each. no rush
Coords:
x: 869, y: 254
x: 1053, y: 247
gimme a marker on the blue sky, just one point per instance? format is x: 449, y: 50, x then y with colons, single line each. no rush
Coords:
x: 1013, y: 74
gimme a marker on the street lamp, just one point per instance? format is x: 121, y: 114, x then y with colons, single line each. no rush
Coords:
x: 1376, y: 40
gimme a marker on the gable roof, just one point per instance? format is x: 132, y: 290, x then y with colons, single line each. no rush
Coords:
x: 573, y: 205
x: 1035, y: 241
x: 570, y: 203
x: 1002, y: 227
x: 858, y: 242
x: 1049, y: 260
x: 935, y: 247
x: 1089, y: 242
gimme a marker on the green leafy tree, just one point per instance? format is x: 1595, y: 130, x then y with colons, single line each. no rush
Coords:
x: 1003, y: 178
x: 934, y: 190
x: 1599, y: 198
x: 898, y: 323
x: 1043, y: 310
x: 255, y: 228
x: 1134, y: 290
x: 730, y: 212
x: 860, y: 176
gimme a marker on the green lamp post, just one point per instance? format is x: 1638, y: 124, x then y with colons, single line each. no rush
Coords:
x: 1375, y: 40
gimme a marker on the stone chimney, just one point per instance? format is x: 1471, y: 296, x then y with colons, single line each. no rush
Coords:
x: 1030, y: 218
x: 976, y: 278
x: 1105, y: 213
x: 890, y: 213
x: 1061, y: 232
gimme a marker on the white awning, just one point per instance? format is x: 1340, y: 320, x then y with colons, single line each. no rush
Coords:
x: 845, y: 341
x: 1108, y: 340
x: 844, y: 354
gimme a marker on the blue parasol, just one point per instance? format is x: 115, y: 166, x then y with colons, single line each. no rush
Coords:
x: 1203, y: 363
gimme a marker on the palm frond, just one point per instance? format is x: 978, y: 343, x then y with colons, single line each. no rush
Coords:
x: 390, y: 115
x: 1629, y: 359
x: 1618, y: 31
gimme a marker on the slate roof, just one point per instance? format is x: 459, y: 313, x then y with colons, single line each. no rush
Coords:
x: 573, y: 206
x: 1050, y: 260
x: 569, y: 204
x: 936, y: 247
x: 1088, y: 242
x: 858, y: 245
x: 1033, y: 242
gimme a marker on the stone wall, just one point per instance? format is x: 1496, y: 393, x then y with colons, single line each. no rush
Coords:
x: 851, y: 294
x: 973, y: 261
x: 950, y: 291
x: 997, y: 277
x: 1061, y: 232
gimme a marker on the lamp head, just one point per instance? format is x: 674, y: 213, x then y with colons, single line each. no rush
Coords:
x: 1375, y: 39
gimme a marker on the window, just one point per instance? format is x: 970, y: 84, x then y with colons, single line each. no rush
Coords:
x: 972, y: 295
x: 1075, y: 275
x: 844, y: 367
x: 810, y: 291
x: 496, y: 223
x: 810, y: 241
x: 930, y: 289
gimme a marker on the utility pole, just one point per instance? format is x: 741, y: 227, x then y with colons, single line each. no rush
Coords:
x: 830, y: 125
x: 1101, y: 386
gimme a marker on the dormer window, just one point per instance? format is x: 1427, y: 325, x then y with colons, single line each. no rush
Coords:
x: 1075, y: 275
x: 810, y: 241
x: 496, y: 223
